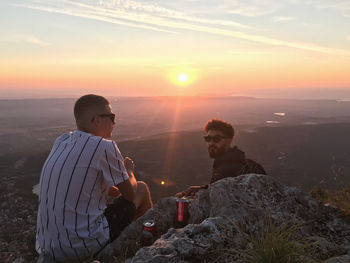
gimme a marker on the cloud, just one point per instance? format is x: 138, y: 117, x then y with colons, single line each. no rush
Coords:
x: 252, y: 8
x: 35, y: 41
x: 125, y: 12
x: 152, y: 17
x: 161, y: 12
x: 342, y: 6
x: 135, y: 6
x: 90, y: 12
x: 283, y: 18
x: 26, y: 38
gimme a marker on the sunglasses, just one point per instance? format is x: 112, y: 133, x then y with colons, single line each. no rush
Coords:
x: 216, y: 138
x: 109, y: 115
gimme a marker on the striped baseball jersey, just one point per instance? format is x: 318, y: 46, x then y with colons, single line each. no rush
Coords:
x: 74, y: 185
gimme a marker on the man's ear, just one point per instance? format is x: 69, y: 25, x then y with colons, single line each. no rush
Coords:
x: 96, y: 121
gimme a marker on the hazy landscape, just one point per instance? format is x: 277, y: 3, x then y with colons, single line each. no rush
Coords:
x: 304, y: 137
x: 302, y: 143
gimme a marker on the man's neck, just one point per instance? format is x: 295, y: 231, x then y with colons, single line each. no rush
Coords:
x: 83, y: 129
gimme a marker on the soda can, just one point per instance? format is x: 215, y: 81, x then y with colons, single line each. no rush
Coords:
x: 149, y: 232
x: 150, y: 226
x: 182, y: 210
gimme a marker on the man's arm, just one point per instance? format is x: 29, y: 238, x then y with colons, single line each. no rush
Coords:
x: 128, y: 188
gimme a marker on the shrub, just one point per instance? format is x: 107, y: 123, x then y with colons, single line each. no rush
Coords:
x: 268, y: 244
x: 319, y: 194
x: 278, y: 244
x: 340, y: 199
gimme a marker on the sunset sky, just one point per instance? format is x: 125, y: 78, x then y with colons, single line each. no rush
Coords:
x: 51, y: 48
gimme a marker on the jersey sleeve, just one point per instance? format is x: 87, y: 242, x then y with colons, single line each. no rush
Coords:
x: 60, y: 139
x: 112, y: 165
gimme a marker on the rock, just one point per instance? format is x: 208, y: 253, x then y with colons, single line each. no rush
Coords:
x: 45, y: 259
x: 129, y: 240
x: 223, y: 215
x: 19, y: 260
x: 325, y: 248
x: 193, y: 242
x: 341, y: 259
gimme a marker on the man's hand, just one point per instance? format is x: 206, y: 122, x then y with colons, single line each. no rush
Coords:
x: 191, y: 191
x: 129, y: 165
x: 128, y: 188
x: 114, y: 191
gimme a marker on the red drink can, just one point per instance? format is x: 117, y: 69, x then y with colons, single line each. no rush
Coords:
x: 149, y: 232
x: 182, y: 210
x: 150, y: 226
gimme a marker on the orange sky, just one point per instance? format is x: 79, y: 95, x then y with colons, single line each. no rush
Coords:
x: 46, y: 50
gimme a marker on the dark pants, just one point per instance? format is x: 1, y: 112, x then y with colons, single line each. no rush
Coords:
x: 119, y: 215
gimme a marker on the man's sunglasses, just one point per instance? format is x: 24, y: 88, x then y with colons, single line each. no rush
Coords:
x: 109, y: 115
x: 217, y: 138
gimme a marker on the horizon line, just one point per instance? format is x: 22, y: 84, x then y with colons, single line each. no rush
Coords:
x: 343, y: 99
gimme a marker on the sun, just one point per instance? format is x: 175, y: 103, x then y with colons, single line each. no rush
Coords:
x: 182, y: 78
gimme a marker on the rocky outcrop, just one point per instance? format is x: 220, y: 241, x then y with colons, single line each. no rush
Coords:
x: 18, y: 214
x: 341, y: 259
x: 222, y: 217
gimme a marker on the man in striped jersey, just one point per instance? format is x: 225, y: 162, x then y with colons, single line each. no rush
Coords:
x: 83, y: 167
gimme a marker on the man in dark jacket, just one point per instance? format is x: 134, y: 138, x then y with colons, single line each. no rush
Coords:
x: 228, y: 161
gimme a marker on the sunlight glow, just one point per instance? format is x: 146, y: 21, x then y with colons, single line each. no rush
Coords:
x: 169, y: 155
x: 182, y: 77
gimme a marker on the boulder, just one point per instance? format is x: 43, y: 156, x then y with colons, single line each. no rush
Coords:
x: 341, y: 259
x: 222, y: 217
x: 44, y: 259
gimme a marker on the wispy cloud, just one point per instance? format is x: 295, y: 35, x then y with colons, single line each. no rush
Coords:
x: 342, y: 6
x: 283, y: 19
x: 152, y: 17
x: 120, y: 17
x: 264, y: 7
x: 27, y: 39
x: 35, y: 41
x: 252, y: 8
x: 250, y: 52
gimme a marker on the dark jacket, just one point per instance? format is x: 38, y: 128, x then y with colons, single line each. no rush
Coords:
x: 233, y: 163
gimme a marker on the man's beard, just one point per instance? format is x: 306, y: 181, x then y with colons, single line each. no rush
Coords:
x: 215, y: 152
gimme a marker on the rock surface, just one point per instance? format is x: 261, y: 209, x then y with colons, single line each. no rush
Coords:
x: 222, y: 216
x: 341, y: 259
x: 18, y: 215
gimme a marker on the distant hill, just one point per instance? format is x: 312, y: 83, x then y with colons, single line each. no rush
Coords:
x: 305, y: 156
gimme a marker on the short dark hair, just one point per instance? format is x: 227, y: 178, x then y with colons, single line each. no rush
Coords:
x: 88, y: 101
x: 220, y: 125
